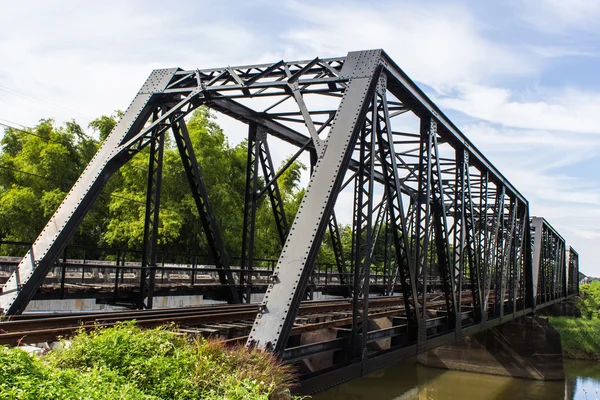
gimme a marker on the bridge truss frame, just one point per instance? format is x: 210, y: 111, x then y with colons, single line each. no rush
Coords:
x: 442, y: 208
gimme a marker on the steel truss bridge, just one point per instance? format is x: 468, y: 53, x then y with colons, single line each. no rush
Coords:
x: 462, y: 251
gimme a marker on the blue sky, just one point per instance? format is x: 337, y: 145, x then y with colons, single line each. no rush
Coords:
x: 519, y: 77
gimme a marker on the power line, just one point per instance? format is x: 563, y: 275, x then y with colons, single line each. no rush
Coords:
x: 29, y: 97
x: 133, y: 200
x: 15, y: 123
x: 48, y: 140
x: 62, y: 183
x: 55, y: 180
x: 26, y: 132
x: 30, y: 173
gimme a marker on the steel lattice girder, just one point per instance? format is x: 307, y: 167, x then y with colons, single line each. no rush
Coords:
x: 549, y: 262
x: 573, y: 271
x: 439, y: 192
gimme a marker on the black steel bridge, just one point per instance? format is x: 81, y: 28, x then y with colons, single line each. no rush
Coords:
x: 463, y: 253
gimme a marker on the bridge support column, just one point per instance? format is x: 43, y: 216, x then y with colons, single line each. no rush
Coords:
x: 527, y: 347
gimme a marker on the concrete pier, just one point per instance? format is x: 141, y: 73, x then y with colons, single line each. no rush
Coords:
x: 527, y: 347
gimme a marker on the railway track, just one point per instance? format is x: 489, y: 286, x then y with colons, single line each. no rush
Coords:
x: 37, y: 328
x: 231, y: 322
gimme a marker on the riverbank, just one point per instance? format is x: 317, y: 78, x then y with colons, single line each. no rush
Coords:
x: 580, y: 337
x: 125, y: 362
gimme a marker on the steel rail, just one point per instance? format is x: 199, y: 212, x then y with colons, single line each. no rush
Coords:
x: 34, y: 329
x: 40, y: 329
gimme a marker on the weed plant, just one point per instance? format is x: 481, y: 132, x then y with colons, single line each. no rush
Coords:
x: 126, y: 362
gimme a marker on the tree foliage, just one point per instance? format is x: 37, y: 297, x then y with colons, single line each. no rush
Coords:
x: 38, y: 166
x: 589, y: 302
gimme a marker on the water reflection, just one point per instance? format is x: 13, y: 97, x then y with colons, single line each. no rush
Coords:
x: 410, y: 380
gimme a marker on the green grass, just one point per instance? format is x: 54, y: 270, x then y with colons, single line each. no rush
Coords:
x: 125, y: 362
x: 580, y: 337
x: 589, y: 301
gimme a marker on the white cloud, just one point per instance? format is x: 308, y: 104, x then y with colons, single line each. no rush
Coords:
x: 558, y: 16
x: 92, y: 59
x: 542, y: 150
x: 567, y: 110
x: 565, y: 50
x: 437, y: 44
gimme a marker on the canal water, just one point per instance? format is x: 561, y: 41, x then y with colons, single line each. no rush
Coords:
x: 409, y: 380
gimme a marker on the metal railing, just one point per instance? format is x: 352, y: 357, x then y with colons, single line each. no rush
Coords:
x: 118, y: 269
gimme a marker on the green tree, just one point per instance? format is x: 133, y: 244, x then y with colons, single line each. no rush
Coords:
x: 37, y: 168
x: 589, y: 301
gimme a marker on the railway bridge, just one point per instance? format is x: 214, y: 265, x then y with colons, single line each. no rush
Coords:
x: 463, y: 254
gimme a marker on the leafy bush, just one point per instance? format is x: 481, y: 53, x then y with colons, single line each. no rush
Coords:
x: 580, y: 337
x: 589, y: 303
x: 26, y: 378
x: 125, y: 362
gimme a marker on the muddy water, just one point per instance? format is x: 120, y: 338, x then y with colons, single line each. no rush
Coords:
x: 410, y: 380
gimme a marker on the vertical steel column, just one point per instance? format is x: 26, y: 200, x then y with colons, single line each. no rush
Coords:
x: 464, y: 238
x: 430, y: 210
x: 553, y: 257
x: 495, y: 249
x: 207, y: 217
x: 248, y: 227
x: 550, y: 263
x: 487, y: 233
x: 553, y: 254
x: 544, y: 264
x: 528, y: 265
x: 472, y: 253
x: 508, y: 258
x: 519, y: 246
x: 573, y: 276
x: 362, y: 237
x: 442, y: 238
x: 459, y: 239
x: 423, y: 215
x: 563, y: 270
x: 555, y: 265
x: 573, y: 271
x: 499, y: 250
x: 151, y: 222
